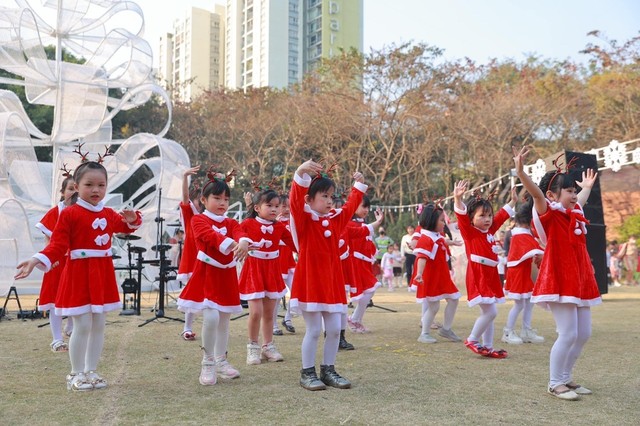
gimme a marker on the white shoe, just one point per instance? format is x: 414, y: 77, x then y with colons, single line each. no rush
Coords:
x: 567, y: 395
x: 426, y: 338
x: 224, y: 369
x: 78, y: 382
x: 511, y: 337
x: 529, y: 335
x: 208, y: 371
x: 270, y: 353
x: 96, y: 380
x: 580, y: 390
x: 253, y: 354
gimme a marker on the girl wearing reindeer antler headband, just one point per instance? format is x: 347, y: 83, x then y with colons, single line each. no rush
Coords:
x: 213, y: 287
x: 566, y: 282
x: 477, y: 225
x: 88, y: 288
x: 51, y: 280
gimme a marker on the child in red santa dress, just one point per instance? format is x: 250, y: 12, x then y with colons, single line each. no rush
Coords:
x: 287, y: 268
x: 261, y: 282
x: 477, y: 225
x: 523, y: 252
x: 51, y: 280
x: 318, y: 284
x: 213, y: 287
x: 88, y: 288
x: 566, y: 283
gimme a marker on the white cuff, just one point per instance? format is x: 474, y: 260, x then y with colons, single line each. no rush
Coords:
x: 304, y: 180
x: 360, y: 186
x: 44, y: 260
x: 224, y: 247
x: 509, y: 210
x: 457, y: 210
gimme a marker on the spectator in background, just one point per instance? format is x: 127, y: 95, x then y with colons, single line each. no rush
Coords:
x: 406, y: 251
x: 629, y: 255
x: 382, y: 242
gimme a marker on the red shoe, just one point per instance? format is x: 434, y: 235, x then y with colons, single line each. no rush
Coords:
x: 476, y: 347
x: 189, y: 335
x: 501, y: 353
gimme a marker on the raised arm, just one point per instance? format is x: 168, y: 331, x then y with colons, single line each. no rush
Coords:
x: 587, y: 182
x: 185, y: 182
x: 458, y: 191
x: 539, y: 200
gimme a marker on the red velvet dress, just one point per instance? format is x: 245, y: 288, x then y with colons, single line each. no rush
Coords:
x: 522, y: 250
x: 318, y: 284
x: 364, y: 256
x: 88, y: 282
x: 50, y: 280
x: 189, y: 251
x: 436, y: 279
x: 346, y: 255
x: 566, y: 273
x: 483, y: 281
x: 214, y: 282
x: 261, y: 274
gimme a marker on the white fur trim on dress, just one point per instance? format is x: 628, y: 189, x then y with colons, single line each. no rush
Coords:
x: 485, y: 300
x: 460, y: 211
x: 190, y: 306
x: 44, y: 229
x: 517, y: 296
x: 361, y: 187
x: 544, y: 300
x: 430, y: 254
x: 304, y: 180
x: 454, y: 296
x: 87, y: 253
x: 44, y: 260
x: 509, y: 210
x: 298, y: 307
x: 94, y: 309
x: 483, y: 260
x: 527, y: 255
x: 203, y: 257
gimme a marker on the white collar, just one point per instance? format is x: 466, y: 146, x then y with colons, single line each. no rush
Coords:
x: 89, y: 206
x: 263, y: 221
x: 520, y: 231
x: 316, y: 216
x: 214, y: 216
x: 433, y: 235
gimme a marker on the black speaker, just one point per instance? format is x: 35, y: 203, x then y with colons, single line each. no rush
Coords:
x: 597, y: 248
x: 580, y: 162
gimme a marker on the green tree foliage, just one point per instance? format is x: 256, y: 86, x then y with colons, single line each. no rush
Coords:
x: 631, y: 226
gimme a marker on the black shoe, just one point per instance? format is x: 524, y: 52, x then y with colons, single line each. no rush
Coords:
x: 329, y: 377
x: 288, y: 326
x: 309, y: 379
x: 343, y: 344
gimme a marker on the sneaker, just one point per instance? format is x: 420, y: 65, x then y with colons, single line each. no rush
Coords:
x: 96, y: 380
x: 426, y: 338
x: 329, y: 377
x: 529, y: 335
x: 277, y: 332
x: 352, y: 325
x: 476, y: 347
x: 580, y: 390
x: 253, y: 354
x: 567, y: 395
x: 78, y: 382
x: 59, y: 346
x: 208, y: 371
x: 224, y: 370
x: 360, y: 328
x: 500, y: 353
x: 309, y: 380
x: 449, y: 334
x: 270, y: 353
x: 511, y: 337
x: 289, y: 326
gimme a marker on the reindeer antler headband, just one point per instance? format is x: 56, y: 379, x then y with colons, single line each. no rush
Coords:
x: 558, y: 165
x: 84, y: 157
x: 214, y: 175
x: 477, y: 195
x: 328, y: 172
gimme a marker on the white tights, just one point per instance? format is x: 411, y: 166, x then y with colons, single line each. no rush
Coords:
x: 573, y: 325
x: 188, y: 321
x: 520, y: 305
x: 287, y: 315
x: 86, y: 342
x: 313, y: 323
x: 215, y: 332
x: 361, y: 307
x: 430, y: 309
x: 484, y: 325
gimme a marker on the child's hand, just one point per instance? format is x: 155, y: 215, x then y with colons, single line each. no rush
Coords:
x: 514, y: 196
x: 128, y: 216
x: 192, y: 171
x: 25, y: 268
x: 588, y: 179
x: 418, y: 278
x: 455, y: 242
x: 460, y: 188
x: 379, y: 215
x: 358, y: 177
x: 248, y: 198
x: 309, y: 167
x: 519, y: 156
x: 240, y: 250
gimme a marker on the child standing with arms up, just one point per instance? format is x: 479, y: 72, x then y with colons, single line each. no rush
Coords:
x: 261, y: 282
x: 88, y: 288
x: 51, y: 280
x: 524, y: 251
x: 318, y: 285
x: 189, y: 206
x: 213, y: 286
x: 566, y: 282
x: 432, y: 274
x: 477, y: 226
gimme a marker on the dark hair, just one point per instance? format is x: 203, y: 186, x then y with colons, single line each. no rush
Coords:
x: 479, y: 203
x: 524, y: 215
x: 265, y: 196
x: 284, y: 197
x: 556, y: 182
x: 321, y: 184
x: 430, y: 216
x: 216, y: 187
x: 366, y: 201
x: 338, y: 202
x: 65, y: 182
x: 83, y: 168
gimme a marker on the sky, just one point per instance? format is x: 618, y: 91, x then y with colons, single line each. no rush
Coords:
x: 478, y: 29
